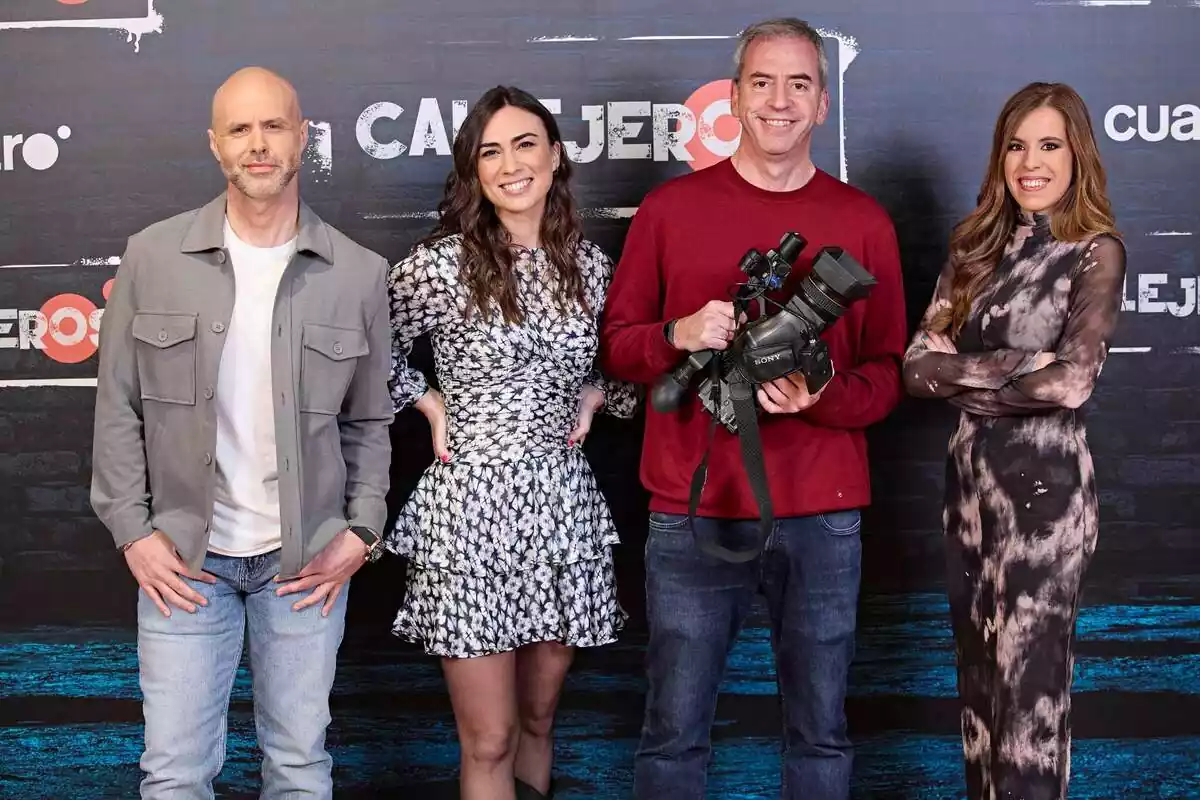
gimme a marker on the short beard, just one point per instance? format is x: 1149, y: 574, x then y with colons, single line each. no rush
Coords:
x: 257, y: 191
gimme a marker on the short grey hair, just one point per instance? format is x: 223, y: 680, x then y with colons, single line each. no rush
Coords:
x: 785, y: 27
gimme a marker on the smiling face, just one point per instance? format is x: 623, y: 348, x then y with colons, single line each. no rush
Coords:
x: 778, y: 98
x: 1038, y: 161
x: 516, y: 163
x: 257, y: 134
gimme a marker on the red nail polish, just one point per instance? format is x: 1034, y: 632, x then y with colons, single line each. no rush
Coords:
x: 570, y: 442
x: 445, y: 458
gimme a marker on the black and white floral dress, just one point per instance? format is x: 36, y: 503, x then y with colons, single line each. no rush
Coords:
x: 509, y: 543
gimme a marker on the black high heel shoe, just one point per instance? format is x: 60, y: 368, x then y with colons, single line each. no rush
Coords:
x: 527, y: 792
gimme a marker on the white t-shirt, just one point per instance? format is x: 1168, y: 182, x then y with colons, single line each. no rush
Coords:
x: 246, y: 507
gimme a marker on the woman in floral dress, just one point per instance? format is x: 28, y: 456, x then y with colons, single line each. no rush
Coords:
x: 507, y: 536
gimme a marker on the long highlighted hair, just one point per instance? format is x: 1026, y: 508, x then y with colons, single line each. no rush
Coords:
x: 978, y: 241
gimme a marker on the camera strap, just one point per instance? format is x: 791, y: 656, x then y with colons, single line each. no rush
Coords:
x: 742, y: 398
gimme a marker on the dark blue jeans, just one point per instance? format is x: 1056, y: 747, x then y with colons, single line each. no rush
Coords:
x: 695, y: 605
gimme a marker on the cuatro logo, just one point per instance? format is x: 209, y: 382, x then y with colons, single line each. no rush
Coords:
x: 38, y: 151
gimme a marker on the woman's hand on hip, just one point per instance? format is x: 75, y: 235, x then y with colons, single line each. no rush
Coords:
x: 433, y: 406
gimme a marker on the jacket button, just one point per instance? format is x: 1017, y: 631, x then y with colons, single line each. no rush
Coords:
x: 337, y: 348
x: 220, y: 256
x: 218, y: 327
x: 208, y: 393
x: 207, y: 458
x: 162, y: 336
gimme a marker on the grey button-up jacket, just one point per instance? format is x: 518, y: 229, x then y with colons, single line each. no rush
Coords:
x: 161, y: 337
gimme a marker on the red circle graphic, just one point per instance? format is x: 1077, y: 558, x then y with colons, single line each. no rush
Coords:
x: 725, y: 127
x: 69, y: 328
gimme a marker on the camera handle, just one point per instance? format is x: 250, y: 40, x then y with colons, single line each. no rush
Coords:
x: 742, y: 298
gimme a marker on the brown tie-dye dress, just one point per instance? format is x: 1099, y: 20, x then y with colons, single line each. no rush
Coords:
x: 1020, y: 511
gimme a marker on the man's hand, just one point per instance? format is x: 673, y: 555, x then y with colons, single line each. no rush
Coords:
x: 327, y: 573
x: 591, y: 400
x: 787, y: 395
x: 711, y: 327
x: 1043, y: 360
x: 156, y: 566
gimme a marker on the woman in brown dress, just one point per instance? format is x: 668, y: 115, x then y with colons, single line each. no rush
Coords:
x: 1015, y: 337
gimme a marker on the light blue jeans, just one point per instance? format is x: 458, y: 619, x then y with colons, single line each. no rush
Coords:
x: 187, y: 664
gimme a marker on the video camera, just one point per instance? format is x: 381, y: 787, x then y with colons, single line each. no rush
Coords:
x: 763, y: 350
x: 772, y: 347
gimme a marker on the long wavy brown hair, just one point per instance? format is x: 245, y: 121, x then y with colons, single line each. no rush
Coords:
x: 978, y: 241
x: 488, y: 253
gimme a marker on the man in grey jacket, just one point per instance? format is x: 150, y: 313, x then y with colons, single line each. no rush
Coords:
x: 241, y: 450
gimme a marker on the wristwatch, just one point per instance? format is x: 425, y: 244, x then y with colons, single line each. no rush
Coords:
x: 371, y: 539
x: 669, y: 332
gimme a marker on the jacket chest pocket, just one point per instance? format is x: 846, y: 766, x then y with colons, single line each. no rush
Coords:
x: 327, y: 363
x: 166, y: 357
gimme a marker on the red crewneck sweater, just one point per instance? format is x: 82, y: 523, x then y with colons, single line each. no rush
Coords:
x: 682, y: 251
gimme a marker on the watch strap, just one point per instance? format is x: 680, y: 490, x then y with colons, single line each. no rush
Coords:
x: 371, y: 539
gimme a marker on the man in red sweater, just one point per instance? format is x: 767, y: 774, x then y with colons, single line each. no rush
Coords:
x: 669, y: 296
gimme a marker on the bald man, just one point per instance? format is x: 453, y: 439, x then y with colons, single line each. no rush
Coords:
x: 241, y: 450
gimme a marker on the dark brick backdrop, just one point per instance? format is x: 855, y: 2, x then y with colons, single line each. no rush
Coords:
x: 102, y: 121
